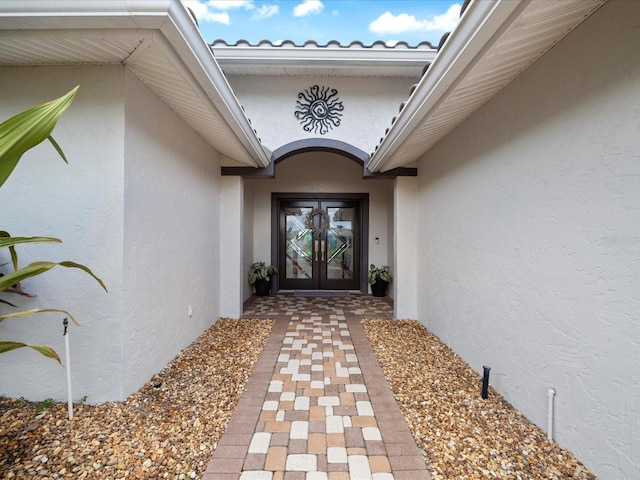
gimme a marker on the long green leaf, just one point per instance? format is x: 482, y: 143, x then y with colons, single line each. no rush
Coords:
x: 27, y: 313
x: 86, y: 269
x: 10, y: 241
x: 12, y: 250
x: 27, y: 129
x: 37, y: 268
x: 17, y: 290
x: 57, y: 147
x: 7, y: 346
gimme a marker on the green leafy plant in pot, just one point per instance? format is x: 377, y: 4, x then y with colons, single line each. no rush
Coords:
x: 379, y: 279
x: 260, y: 275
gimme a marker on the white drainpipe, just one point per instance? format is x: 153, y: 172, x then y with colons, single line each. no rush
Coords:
x: 551, y: 393
x: 67, y: 362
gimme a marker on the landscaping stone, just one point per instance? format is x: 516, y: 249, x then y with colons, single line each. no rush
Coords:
x: 461, y: 435
x: 168, y: 429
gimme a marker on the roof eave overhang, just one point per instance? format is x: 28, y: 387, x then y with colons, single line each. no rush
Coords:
x: 169, y: 26
x: 478, y: 26
x: 184, y: 35
x: 487, y: 33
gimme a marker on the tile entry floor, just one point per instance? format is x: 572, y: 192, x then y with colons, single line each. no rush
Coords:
x: 317, y: 406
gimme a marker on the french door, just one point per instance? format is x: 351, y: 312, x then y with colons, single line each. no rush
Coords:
x: 319, y: 243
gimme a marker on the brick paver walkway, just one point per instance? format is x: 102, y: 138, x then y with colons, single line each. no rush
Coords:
x: 317, y: 406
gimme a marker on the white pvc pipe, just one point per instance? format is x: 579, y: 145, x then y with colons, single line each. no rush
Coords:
x: 551, y: 393
x: 68, y: 367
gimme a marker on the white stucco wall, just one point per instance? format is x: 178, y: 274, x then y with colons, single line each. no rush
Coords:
x: 405, y: 282
x: 270, y: 103
x: 232, y: 270
x: 171, y: 235
x: 81, y: 203
x: 247, y: 239
x: 530, y: 238
x: 318, y: 172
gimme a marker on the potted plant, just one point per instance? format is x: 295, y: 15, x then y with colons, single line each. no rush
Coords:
x: 379, y: 279
x: 260, y: 275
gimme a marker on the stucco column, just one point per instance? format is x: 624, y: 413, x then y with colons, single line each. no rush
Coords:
x: 405, y: 247
x: 231, y: 219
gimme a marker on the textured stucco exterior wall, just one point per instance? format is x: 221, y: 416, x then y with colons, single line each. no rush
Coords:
x: 232, y: 271
x: 270, y: 103
x: 318, y: 172
x: 171, y: 235
x: 139, y: 204
x: 82, y: 204
x: 405, y: 252
x: 247, y: 239
x: 529, y: 227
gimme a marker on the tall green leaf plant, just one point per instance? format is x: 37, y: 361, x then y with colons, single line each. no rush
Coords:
x: 18, y: 135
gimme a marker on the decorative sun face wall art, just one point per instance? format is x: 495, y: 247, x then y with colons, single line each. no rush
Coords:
x: 319, y: 109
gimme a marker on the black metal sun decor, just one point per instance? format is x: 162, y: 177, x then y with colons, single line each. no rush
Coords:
x: 319, y: 109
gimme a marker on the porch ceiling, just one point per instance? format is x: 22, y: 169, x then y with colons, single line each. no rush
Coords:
x: 493, y: 43
x: 157, y: 40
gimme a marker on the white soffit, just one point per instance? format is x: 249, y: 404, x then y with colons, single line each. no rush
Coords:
x: 494, y: 42
x: 156, y: 39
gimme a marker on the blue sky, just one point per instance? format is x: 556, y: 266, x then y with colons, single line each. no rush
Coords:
x: 412, y: 21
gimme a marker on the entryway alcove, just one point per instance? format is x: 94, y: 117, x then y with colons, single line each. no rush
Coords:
x: 320, y: 230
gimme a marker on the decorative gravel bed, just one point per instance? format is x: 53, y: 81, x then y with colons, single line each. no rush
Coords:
x: 461, y: 435
x: 168, y: 429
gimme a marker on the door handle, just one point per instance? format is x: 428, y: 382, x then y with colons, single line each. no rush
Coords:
x: 316, y: 249
x: 322, y: 245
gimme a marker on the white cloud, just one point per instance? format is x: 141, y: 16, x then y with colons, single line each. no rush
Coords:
x: 308, y: 7
x: 196, y: 7
x: 215, y: 11
x: 203, y: 14
x: 387, y: 23
x: 265, y: 11
x: 229, y: 4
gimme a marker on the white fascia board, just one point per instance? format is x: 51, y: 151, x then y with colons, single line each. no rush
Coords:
x: 184, y: 36
x: 301, y: 56
x: 64, y: 7
x: 83, y: 14
x: 479, y: 27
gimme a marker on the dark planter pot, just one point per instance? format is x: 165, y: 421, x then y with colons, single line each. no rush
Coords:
x: 263, y: 287
x: 379, y: 289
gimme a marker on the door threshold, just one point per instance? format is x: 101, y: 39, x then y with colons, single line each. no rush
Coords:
x: 321, y: 293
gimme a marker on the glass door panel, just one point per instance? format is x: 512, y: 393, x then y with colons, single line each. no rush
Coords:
x: 298, y: 244
x: 341, y: 269
x: 297, y: 265
x: 340, y: 243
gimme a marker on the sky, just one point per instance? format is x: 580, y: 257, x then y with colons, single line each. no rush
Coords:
x: 411, y: 21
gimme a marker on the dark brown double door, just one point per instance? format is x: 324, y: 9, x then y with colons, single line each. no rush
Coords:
x: 319, y: 243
